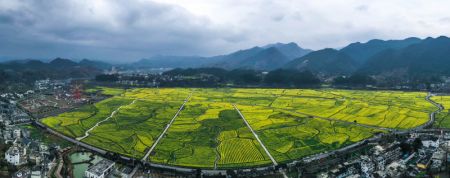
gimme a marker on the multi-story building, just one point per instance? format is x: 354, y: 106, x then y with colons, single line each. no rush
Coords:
x: 367, y: 166
x: 100, y: 170
x: 16, y: 155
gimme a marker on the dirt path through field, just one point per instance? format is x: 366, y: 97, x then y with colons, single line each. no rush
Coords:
x: 144, y: 159
x: 86, y: 134
x: 260, y: 142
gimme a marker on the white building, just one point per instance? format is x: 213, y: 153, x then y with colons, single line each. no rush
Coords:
x: 126, y: 172
x: 430, y: 143
x: 395, y: 169
x: 16, y: 155
x: 17, y: 133
x: 100, y: 170
x: 367, y: 167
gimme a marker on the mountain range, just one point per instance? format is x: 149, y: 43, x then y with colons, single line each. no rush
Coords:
x: 58, y: 68
x: 407, y: 57
x: 268, y: 57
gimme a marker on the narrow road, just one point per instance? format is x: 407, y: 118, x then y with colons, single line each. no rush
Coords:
x: 144, y: 159
x: 432, y: 114
x: 260, y: 142
x: 86, y: 134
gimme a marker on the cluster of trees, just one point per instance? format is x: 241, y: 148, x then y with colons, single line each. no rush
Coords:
x: 107, y: 77
x: 17, y: 81
x: 216, y: 77
x: 245, y: 77
x: 354, y: 80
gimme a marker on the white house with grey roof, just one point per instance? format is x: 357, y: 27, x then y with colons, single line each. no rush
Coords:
x: 100, y: 169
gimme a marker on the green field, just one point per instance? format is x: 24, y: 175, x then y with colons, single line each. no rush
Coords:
x: 443, y: 117
x: 209, y: 132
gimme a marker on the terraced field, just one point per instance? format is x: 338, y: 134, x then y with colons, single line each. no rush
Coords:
x: 209, y: 132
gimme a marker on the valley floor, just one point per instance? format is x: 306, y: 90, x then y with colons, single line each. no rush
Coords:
x: 210, y: 133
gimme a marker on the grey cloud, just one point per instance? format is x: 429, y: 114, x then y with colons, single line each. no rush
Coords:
x: 362, y: 8
x: 138, y: 29
x: 129, y: 30
x: 278, y: 18
x: 445, y: 20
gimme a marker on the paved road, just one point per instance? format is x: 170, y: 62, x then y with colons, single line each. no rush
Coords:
x: 86, y: 134
x: 430, y: 121
x: 144, y: 159
x: 439, y: 106
x: 260, y: 142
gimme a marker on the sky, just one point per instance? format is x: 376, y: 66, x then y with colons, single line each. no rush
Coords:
x: 129, y: 30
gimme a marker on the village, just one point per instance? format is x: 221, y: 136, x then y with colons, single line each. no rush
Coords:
x: 28, y: 152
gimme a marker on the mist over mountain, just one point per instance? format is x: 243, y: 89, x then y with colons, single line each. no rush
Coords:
x: 161, y: 61
x: 268, y: 57
x: 290, y: 50
x: 408, y: 57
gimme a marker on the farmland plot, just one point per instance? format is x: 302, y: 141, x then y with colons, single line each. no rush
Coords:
x: 209, y: 132
x: 208, y: 135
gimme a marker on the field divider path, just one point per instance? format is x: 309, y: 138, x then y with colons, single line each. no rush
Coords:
x: 86, y: 134
x: 144, y: 159
x: 260, y: 142
x: 256, y: 136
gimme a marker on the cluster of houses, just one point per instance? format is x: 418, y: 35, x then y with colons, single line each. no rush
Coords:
x: 389, y: 160
x: 48, y: 84
x: 32, y: 157
x: 10, y: 114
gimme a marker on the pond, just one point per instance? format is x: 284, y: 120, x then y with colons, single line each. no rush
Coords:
x: 81, y: 162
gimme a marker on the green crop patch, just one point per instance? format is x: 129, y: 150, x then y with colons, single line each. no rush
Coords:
x: 443, y: 117
x: 209, y: 133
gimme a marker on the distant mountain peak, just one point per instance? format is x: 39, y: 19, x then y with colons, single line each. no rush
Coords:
x: 62, y: 62
x: 291, y: 50
x: 361, y: 52
x: 279, y: 44
x: 326, y: 61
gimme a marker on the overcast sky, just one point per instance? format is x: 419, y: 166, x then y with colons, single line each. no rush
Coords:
x: 128, y: 30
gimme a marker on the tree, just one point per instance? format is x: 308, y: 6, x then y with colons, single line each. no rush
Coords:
x: 417, y: 144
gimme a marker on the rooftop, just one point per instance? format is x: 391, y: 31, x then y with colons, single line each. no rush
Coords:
x: 101, y: 167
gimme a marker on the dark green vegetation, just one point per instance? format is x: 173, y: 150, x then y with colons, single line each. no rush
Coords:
x: 46, y: 138
x: 412, y: 58
x: 20, y: 75
x: 328, y: 61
